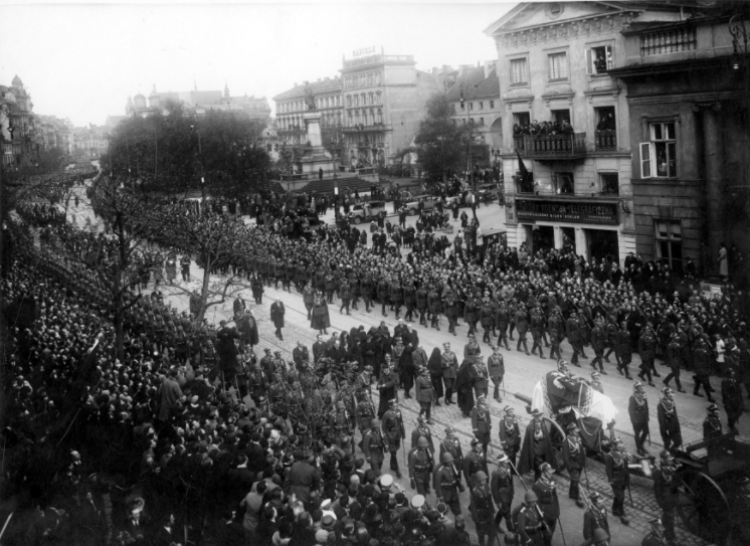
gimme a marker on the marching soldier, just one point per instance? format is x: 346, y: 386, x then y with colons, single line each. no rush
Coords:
x: 598, y: 341
x: 528, y: 521
x: 425, y: 394
x: 481, y: 422
x: 575, y: 337
x: 731, y: 395
x: 383, y: 291
x: 618, y: 475
x: 397, y: 296
x: 420, y: 466
x: 447, y: 483
x: 537, y: 329
x: 451, y: 311
x: 666, y: 488
x: 365, y: 413
x: 487, y: 320
x: 501, y: 485
x: 450, y: 371
x: 436, y: 307
x: 185, y: 267
x: 522, y: 325
x: 674, y: 361
x: 483, y: 510
x: 478, y: 374
x: 574, y: 456
x: 471, y: 314
x: 450, y: 444
x: 394, y: 432
x: 422, y: 431
x: 374, y: 446
x: 502, y: 319
x: 712, y: 425
x: 366, y: 287
x: 345, y: 292
x: 594, y: 519
x: 422, y: 305
x: 474, y: 461
x: 702, y: 362
x: 647, y: 352
x: 611, y: 331
x: 496, y: 369
x: 510, y: 434
x: 387, y: 385
x: 624, y: 350
x: 410, y: 300
x: 548, y: 502
x: 669, y: 424
x: 555, y: 329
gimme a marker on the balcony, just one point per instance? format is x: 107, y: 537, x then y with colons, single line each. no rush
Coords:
x: 551, y: 147
x: 377, y: 127
x: 669, y: 40
x: 605, y: 141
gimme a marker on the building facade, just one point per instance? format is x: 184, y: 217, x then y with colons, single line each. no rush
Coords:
x: 384, y: 99
x: 90, y: 142
x: 566, y: 124
x: 17, y: 126
x: 687, y: 98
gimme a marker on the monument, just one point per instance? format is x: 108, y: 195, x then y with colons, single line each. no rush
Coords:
x: 316, y: 156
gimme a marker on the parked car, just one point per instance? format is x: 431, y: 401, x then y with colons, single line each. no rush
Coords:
x: 486, y: 193
x: 364, y: 212
x: 412, y: 206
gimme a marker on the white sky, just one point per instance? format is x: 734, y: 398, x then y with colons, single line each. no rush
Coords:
x: 81, y: 61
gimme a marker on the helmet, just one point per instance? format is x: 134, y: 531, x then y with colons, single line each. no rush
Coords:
x: 446, y: 458
x: 530, y: 497
x: 480, y: 476
x: 422, y: 442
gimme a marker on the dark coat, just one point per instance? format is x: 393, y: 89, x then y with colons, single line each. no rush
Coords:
x: 277, y: 314
x: 526, y: 461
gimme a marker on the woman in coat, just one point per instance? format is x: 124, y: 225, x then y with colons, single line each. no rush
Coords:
x: 464, y: 387
x: 435, y: 365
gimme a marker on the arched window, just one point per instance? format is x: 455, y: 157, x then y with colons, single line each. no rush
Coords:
x: 350, y: 119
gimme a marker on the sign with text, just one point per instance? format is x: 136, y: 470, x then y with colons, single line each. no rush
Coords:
x: 567, y: 211
x: 364, y: 51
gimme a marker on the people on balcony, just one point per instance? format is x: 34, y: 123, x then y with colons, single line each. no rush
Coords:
x: 606, y: 122
x: 543, y: 129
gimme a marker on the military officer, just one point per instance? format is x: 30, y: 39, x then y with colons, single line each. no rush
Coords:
x: 410, y: 300
x: 674, y: 361
x: 451, y: 311
x: 624, y: 349
x: 611, y: 331
x: 474, y: 461
x: 598, y: 341
x: 502, y: 319
x: 574, y: 456
x: 522, y: 325
x: 555, y: 329
x: 616, y: 467
x: 479, y: 377
x: 452, y: 445
x: 712, y: 425
x: 496, y: 369
x: 481, y: 422
x: 594, y: 518
x: 420, y: 466
x: 510, y: 434
x: 537, y: 329
x: 447, y: 482
x: 422, y: 431
x: 501, y: 484
x: 450, y: 371
x: 345, y: 292
x: 669, y: 424
x: 425, y: 394
x: 528, y: 521
x: 487, y: 320
x: 374, y: 446
x: 387, y: 384
x: 731, y: 396
x: 422, y: 304
x: 394, y: 432
x: 436, y: 307
x: 549, y: 504
x: 647, y: 352
x: 483, y: 510
x: 575, y: 337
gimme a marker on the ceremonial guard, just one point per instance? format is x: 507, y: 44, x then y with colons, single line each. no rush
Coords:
x: 502, y: 318
x: 487, y: 320
x: 616, y: 467
x: 574, y: 456
x: 394, y: 432
x: 510, y: 435
x: 702, y: 362
x: 712, y: 425
x: 546, y: 492
x: 374, y: 446
x: 451, y: 311
x: 422, y: 431
x: 501, y: 484
x: 483, y: 510
x: 422, y: 304
x: 647, y: 352
x: 420, y: 466
x: 674, y: 361
x: 425, y: 394
x: 452, y: 445
x: 537, y: 330
x: 474, y: 461
x: 447, y: 482
x: 598, y: 341
x: 450, y: 371
x: 522, y: 325
x: 666, y: 488
x: 639, y: 416
x: 669, y: 424
x: 595, y: 518
x: 481, y: 422
x: 387, y: 384
x: 479, y: 381
x: 496, y: 369
x: 556, y: 331
x: 528, y: 521
x: 436, y: 307
x: 345, y: 292
x: 575, y: 337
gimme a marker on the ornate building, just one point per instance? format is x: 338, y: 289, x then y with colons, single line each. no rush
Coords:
x: 17, y: 126
x: 567, y: 119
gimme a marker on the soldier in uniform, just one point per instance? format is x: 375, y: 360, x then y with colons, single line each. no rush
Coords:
x: 365, y: 287
x: 374, y: 446
x: 656, y: 536
x: 555, y: 328
x: 731, y: 396
x: 365, y: 414
x: 420, y: 466
x: 436, y: 307
x: 595, y: 518
x: 410, y: 300
x: 394, y: 432
x: 422, y: 304
x: 598, y: 341
x: 447, y: 482
x: 666, y: 488
x: 669, y: 424
x: 575, y: 337
x: 425, y: 394
x: 546, y: 492
x: 536, y: 448
x: 639, y: 416
x: 481, y: 422
x: 674, y: 361
x: 422, y: 431
x: 474, y: 461
x: 451, y: 311
x: 496, y: 370
x: 383, y: 292
x: 624, y: 349
x: 522, y: 325
x: 185, y: 267
x: 483, y: 510
x: 574, y: 456
x: 502, y: 318
x: 528, y: 521
x: 487, y: 320
x: 452, y: 445
x: 647, y: 351
x: 501, y: 484
x: 611, y: 333
x: 397, y: 296
x: 471, y: 314
x: 510, y: 434
x: 345, y: 291
x: 712, y: 425
x: 616, y: 466
x: 450, y: 371
x: 479, y: 377
x: 702, y: 361
x: 387, y: 384
x: 537, y: 330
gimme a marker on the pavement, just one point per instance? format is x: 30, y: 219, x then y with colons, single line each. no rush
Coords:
x: 522, y: 372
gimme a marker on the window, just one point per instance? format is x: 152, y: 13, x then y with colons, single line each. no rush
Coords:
x: 609, y: 183
x: 481, y: 105
x: 564, y: 183
x: 471, y: 106
x: 659, y: 155
x: 598, y: 60
x: 669, y: 244
x: 481, y: 122
x: 557, y: 64
x: 605, y: 136
x: 522, y: 119
x: 518, y: 71
x: 492, y: 104
x: 560, y: 116
x: 463, y: 105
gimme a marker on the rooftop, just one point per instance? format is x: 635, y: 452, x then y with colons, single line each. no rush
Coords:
x: 475, y: 85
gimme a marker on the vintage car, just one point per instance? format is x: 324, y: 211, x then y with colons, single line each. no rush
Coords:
x: 412, y: 206
x: 364, y: 212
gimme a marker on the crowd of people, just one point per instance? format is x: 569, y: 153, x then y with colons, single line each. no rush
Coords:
x: 156, y: 445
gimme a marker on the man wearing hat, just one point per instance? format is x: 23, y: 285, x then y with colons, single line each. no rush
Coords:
x: 481, y: 422
x: 483, y: 510
x: 647, y: 352
x: 712, y: 425
x: 474, y: 461
x: 575, y: 337
x: 452, y: 445
x: 674, y: 361
x: 574, y: 456
x: 447, y: 482
x: 669, y: 424
x: 425, y: 394
x: 598, y: 342
x: 595, y: 519
x: 502, y: 318
x: 596, y: 383
x: 656, y: 536
x: 420, y: 466
x: 394, y: 432
x: 450, y: 371
x: 387, y: 384
x: 666, y: 489
x: 624, y: 349
x: 422, y: 431
x: 496, y: 370
x: 510, y: 434
x: 528, y: 521
x: 546, y: 492
x: 639, y: 416
x: 616, y: 466
x: 501, y: 485
x: 536, y: 448
x: 373, y: 446
x: 731, y: 396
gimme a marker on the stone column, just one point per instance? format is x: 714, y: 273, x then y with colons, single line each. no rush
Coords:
x: 713, y: 152
x: 582, y: 249
x: 558, y: 237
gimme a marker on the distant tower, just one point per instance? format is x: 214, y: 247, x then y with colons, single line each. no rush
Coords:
x: 17, y: 83
x: 226, y: 90
x: 153, y: 98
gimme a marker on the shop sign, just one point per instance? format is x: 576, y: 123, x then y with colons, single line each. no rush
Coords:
x: 567, y: 211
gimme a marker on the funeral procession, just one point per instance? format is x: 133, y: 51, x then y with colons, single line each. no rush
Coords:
x: 386, y: 292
